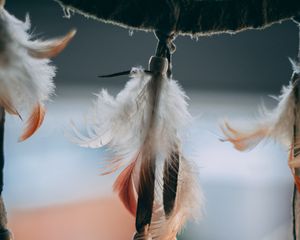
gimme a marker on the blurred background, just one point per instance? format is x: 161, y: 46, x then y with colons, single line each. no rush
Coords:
x: 53, y: 189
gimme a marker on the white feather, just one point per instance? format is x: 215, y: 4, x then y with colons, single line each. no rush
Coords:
x: 127, y: 125
x: 24, y: 80
x: 173, y: 118
x: 276, y: 124
x: 119, y: 122
x: 173, y: 115
x: 295, y: 65
x: 26, y: 76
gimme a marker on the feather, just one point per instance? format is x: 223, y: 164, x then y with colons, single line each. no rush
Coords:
x: 170, y: 179
x: 293, y: 164
x: 276, y: 124
x: 282, y: 124
x: 297, y: 182
x: 245, y: 140
x: 122, y: 124
x: 50, y: 48
x: 6, y: 103
x: 146, y: 194
x: 34, y: 122
x: 187, y: 204
x: 119, y: 123
x: 141, y: 128
x: 26, y: 76
x: 125, y: 187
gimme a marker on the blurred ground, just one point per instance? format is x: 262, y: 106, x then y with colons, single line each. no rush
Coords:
x: 94, y: 219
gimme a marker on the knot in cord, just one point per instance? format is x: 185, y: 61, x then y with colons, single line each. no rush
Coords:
x: 165, y: 45
x: 165, y: 48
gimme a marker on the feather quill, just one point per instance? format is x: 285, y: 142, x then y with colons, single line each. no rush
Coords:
x: 141, y: 126
x: 26, y: 76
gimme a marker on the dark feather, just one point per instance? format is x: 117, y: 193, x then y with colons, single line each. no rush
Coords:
x: 145, y: 195
x: 170, y: 178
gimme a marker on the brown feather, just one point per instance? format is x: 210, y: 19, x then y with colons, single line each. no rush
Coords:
x: 124, y: 186
x: 53, y: 48
x: 297, y: 182
x: 170, y: 179
x: 34, y: 122
x: 146, y: 191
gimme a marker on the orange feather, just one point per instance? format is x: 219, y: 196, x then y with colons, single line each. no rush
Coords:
x: 297, y: 182
x: 124, y: 186
x: 53, y: 48
x: 244, y: 140
x: 34, y: 122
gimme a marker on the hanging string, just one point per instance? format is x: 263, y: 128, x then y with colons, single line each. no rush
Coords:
x: 165, y: 48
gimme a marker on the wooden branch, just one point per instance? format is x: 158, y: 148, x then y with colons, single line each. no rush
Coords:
x: 187, y: 17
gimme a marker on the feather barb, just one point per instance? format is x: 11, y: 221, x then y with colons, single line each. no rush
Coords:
x: 124, y: 186
x: 244, y: 140
x: 51, y: 48
x: 34, y: 122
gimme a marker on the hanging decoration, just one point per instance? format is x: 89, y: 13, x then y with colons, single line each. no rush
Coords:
x: 283, y: 125
x: 141, y: 125
x: 141, y: 128
x: 26, y: 82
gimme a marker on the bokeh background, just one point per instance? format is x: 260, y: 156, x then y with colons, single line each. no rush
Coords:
x: 53, y: 189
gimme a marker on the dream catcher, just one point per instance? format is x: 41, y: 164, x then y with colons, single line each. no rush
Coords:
x: 141, y: 125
